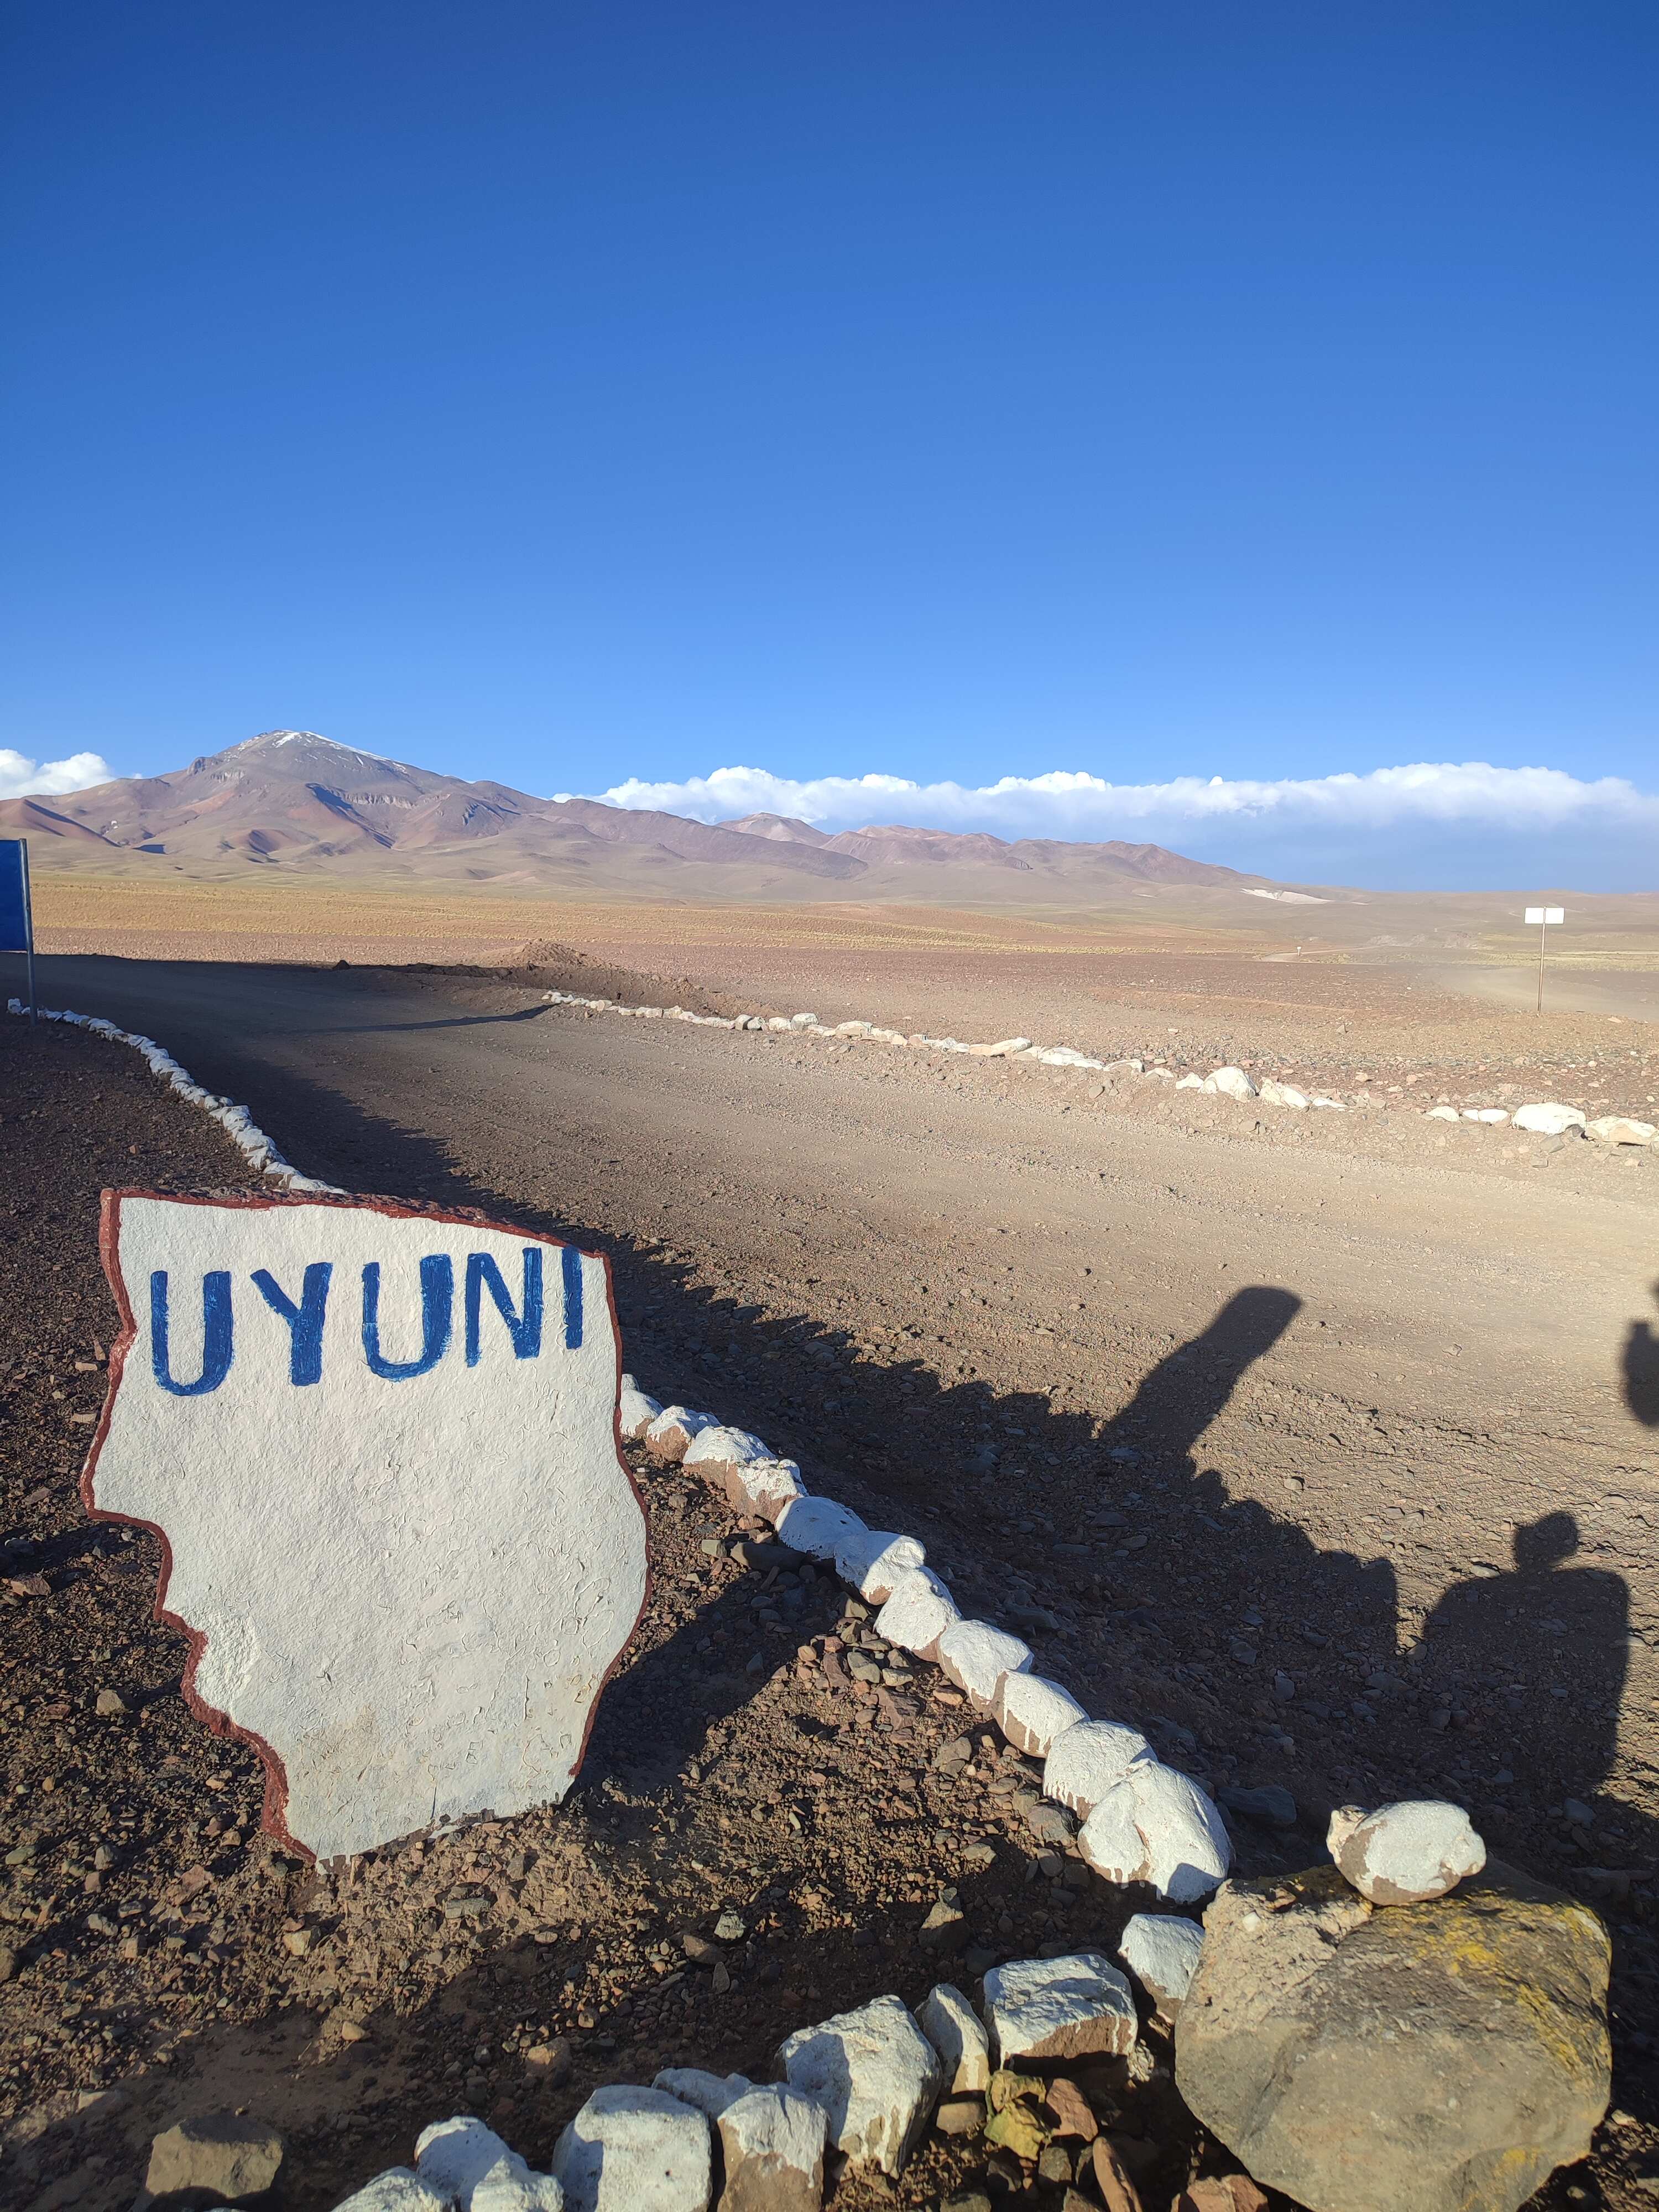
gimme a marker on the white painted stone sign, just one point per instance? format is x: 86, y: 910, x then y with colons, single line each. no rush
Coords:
x: 380, y: 1447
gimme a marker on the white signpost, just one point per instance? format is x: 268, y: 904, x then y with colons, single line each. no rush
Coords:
x: 1544, y: 918
x: 381, y: 1447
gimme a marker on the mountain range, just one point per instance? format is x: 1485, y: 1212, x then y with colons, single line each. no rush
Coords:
x: 293, y: 802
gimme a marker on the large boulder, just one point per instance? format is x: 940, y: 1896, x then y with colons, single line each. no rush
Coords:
x: 1443, y: 2056
x: 219, y: 2158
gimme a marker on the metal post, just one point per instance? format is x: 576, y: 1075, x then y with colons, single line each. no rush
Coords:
x: 28, y: 934
x: 1543, y: 932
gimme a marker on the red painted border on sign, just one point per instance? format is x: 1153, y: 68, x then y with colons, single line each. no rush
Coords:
x: 273, y: 1817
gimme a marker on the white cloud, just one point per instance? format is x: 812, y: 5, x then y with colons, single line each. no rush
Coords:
x: 22, y: 778
x: 1069, y: 804
x: 1470, y: 796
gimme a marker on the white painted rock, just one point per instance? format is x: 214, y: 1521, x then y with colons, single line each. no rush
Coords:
x: 874, y: 1559
x: 975, y: 1656
x: 1272, y: 1092
x: 1066, y: 1056
x: 1087, y: 1761
x: 816, y: 1525
x: 1000, y: 1051
x: 917, y: 1613
x: 636, y: 2150
x: 952, y: 2027
x: 720, y: 1451
x: 444, y: 1393
x: 1403, y: 1854
x: 1442, y: 1114
x: 875, y: 2074
x: 1046, y: 2009
x: 1620, y: 1129
x: 1157, y: 1827
x: 764, y: 1486
x: 670, y: 1436
x: 1548, y: 1119
x: 1162, y: 1953
x: 1492, y: 1115
x: 636, y: 1412
x: 468, y: 2165
x: 1230, y: 1082
x: 774, y: 2141
x: 710, y: 2093
x: 399, y: 2188
x: 1189, y: 1082
x: 1031, y: 1712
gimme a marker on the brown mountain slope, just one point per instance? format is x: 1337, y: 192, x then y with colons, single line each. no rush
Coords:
x: 297, y: 803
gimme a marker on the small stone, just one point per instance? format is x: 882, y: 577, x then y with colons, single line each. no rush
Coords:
x: 1088, y: 1760
x: 469, y: 2166
x: 1158, y: 1825
x: 671, y: 1435
x: 1031, y: 1712
x: 874, y: 2072
x: 945, y: 1928
x: 110, y: 1704
x: 1073, y: 2115
x: 296, y: 1942
x: 1230, y: 1082
x: 952, y: 2027
x: 960, y: 2116
x: 966, y: 2200
x: 1271, y: 1804
x: 917, y: 1613
x: 1017, y: 2125
x: 873, y: 1559
x: 1405, y: 1853
x: 773, y: 2140
x: 549, y: 2063
x: 7, y: 1963
x: 729, y: 1929
x: 1162, y: 1953
x: 1620, y: 1129
x: 1222, y: 2192
x: 1549, y: 1119
x: 1054, y: 2163
x: 1117, y: 2191
x: 634, y: 2150
x: 399, y: 2188
x: 1576, y: 1810
x: 634, y: 1413
x: 710, y: 2093
x: 974, y: 1657
x: 222, y: 2154
x: 816, y: 1525
x: 1056, y: 2008
x: 28, y: 1586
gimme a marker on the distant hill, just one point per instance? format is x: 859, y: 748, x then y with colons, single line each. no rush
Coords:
x: 292, y: 801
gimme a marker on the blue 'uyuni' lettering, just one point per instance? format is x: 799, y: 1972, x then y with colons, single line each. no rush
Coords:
x: 437, y: 1318
x: 524, y: 1326
x: 217, y: 1334
x: 304, y: 1321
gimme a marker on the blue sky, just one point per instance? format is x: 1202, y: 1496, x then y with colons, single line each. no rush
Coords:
x: 600, y: 398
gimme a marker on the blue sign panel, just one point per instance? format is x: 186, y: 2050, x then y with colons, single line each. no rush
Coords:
x: 15, y: 935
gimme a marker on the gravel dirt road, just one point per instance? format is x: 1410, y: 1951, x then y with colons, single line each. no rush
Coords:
x: 1324, y: 1449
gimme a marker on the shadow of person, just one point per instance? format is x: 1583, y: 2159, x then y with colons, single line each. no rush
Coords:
x: 1641, y: 1366
x: 1179, y: 1398
x: 1555, y: 1639
x: 1164, y: 1422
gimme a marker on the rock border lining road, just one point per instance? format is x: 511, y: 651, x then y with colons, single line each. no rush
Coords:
x: 1543, y: 1118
